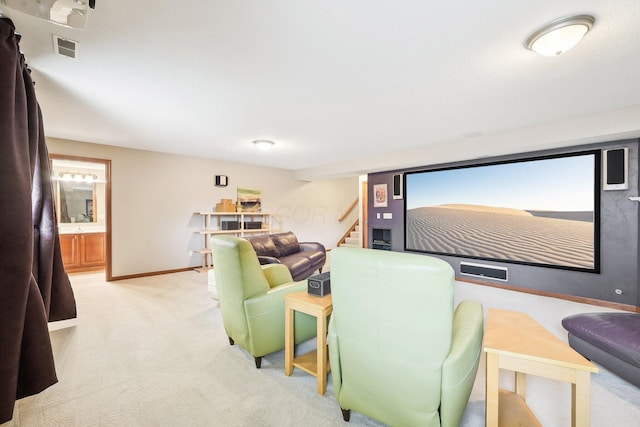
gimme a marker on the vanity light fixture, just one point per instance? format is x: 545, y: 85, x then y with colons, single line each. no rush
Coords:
x: 78, y: 177
x: 264, y: 144
x: 560, y: 35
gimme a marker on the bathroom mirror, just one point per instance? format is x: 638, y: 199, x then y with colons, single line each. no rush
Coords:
x: 79, y: 191
x: 76, y: 201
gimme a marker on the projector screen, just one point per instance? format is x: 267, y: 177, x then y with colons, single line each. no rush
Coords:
x: 541, y: 211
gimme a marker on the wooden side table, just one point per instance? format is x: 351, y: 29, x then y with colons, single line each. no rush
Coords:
x: 516, y: 342
x: 316, y: 362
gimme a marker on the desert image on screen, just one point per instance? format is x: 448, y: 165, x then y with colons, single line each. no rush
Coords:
x: 534, y: 212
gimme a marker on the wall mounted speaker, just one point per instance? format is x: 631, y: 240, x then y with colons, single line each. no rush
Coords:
x: 481, y: 270
x: 397, y: 186
x: 615, y: 169
x: 221, y: 180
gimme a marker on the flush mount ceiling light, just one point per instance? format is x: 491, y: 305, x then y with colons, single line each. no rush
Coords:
x: 560, y: 35
x: 263, y: 144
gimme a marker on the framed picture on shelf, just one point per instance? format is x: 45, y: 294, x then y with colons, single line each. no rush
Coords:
x: 249, y: 200
x: 380, y: 196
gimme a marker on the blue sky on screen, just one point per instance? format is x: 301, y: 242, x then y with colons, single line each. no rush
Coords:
x: 556, y: 184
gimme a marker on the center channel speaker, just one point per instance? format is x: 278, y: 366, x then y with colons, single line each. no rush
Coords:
x: 397, y: 186
x: 481, y: 270
x: 615, y: 169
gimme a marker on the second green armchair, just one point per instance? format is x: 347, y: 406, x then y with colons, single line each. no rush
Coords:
x: 399, y: 350
x: 252, y: 298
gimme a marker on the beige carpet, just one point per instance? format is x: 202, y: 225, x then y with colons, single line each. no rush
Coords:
x: 152, y: 352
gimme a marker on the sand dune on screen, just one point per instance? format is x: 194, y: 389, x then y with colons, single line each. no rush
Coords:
x: 500, y: 233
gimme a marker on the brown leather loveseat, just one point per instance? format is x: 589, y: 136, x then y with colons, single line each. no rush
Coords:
x: 301, y: 258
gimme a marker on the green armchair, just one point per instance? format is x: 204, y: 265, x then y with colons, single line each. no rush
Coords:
x: 251, y: 298
x: 399, y: 351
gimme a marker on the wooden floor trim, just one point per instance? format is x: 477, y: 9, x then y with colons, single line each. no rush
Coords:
x: 583, y: 300
x: 151, y: 273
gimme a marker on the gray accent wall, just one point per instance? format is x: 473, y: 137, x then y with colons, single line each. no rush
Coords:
x: 618, y: 280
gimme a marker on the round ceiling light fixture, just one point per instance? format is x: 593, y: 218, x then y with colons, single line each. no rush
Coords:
x: 560, y: 35
x: 264, y: 144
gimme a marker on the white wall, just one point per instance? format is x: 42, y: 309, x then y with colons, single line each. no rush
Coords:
x: 154, y: 197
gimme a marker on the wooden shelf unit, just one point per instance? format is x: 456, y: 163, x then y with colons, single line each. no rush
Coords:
x: 212, y: 223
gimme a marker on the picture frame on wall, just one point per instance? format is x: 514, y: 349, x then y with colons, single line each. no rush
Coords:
x: 380, y: 195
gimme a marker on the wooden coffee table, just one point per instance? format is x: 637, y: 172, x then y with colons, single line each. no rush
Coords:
x: 516, y: 342
x: 316, y: 362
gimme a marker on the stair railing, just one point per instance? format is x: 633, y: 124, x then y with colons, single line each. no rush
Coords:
x: 343, y: 239
x: 348, y: 211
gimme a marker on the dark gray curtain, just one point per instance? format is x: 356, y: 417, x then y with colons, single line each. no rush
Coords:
x: 34, y: 287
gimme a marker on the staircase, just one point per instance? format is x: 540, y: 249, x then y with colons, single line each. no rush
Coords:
x: 352, y: 238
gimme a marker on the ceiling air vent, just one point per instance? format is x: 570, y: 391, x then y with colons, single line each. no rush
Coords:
x: 65, y: 47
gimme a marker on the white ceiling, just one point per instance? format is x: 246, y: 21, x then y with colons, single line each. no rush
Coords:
x: 343, y: 87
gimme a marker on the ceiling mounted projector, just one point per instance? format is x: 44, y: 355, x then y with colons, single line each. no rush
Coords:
x: 70, y: 13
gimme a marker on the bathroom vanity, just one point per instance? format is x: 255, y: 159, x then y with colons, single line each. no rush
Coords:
x: 84, y: 251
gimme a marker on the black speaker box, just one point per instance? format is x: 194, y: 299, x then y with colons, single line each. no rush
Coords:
x: 252, y: 225
x: 319, y: 285
x: 230, y: 225
x: 397, y: 186
x: 615, y: 169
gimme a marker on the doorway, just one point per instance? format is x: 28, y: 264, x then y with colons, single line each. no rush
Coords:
x: 82, y: 198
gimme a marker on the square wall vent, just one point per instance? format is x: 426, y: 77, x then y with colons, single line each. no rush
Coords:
x: 65, y: 47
